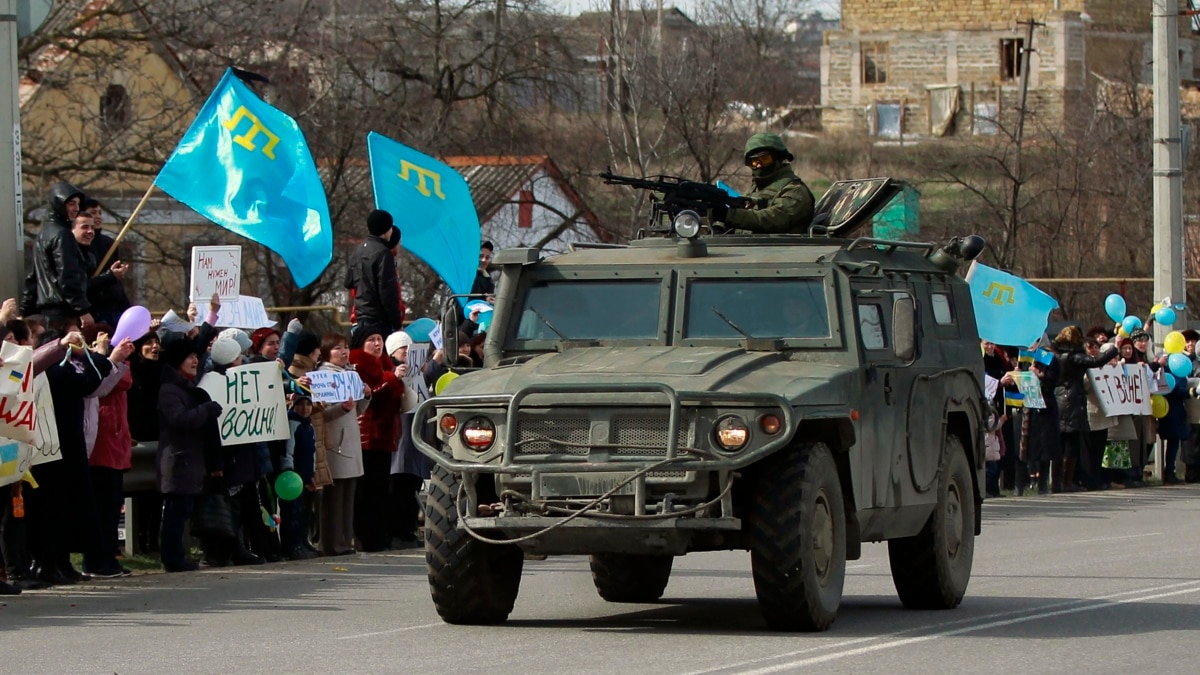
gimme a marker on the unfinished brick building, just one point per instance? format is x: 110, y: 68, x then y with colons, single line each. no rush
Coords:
x: 903, y: 68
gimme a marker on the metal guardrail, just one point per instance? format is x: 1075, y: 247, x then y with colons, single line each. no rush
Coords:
x: 292, y: 309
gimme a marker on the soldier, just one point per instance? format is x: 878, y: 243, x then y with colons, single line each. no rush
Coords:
x: 781, y: 203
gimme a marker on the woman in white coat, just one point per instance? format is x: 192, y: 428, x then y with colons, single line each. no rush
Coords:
x: 343, y: 452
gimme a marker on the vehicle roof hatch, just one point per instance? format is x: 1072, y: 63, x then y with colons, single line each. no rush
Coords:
x: 850, y: 204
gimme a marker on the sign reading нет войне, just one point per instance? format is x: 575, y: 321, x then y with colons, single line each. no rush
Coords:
x: 253, y: 404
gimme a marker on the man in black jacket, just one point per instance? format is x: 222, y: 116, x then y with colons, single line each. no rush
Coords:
x: 58, y: 285
x: 106, y: 291
x: 372, y: 278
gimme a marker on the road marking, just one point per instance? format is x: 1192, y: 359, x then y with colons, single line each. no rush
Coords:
x: 1101, y: 602
x: 392, y: 631
x: 1127, y: 536
x: 1073, y: 605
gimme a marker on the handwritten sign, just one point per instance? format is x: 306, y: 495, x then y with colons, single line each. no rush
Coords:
x: 18, y: 411
x: 435, y: 336
x: 16, y: 374
x: 253, y: 406
x: 46, y: 445
x: 1122, y: 389
x: 216, y: 269
x: 1031, y: 390
x: 245, y: 312
x: 332, y: 386
x: 414, y: 376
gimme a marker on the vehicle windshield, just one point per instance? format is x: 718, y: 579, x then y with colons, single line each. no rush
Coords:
x: 756, y: 308
x: 590, y: 310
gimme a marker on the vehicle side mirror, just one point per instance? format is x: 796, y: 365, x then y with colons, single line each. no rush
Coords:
x: 450, y: 332
x: 904, y: 328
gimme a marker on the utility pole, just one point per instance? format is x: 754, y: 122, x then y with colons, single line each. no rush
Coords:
x: 12, y: 227
x: 1018, y: 138
x: 1168, y: 163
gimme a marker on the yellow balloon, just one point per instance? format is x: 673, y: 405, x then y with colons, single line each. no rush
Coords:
x: 442, y: 382
x: 1121, y: 332
x: 1154, y: 310
x: 1158, y: 406
x: 1174, y: 342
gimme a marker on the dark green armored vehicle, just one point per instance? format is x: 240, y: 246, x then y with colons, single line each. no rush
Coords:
x: 793, y: 396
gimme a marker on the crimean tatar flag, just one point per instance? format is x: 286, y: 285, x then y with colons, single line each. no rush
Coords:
x: 431, y: 204
x: 1008, y: 310
x: 246, y: 166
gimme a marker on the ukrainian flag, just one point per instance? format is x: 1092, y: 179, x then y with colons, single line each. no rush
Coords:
x: 16, y: 376
x: 1008, y: 310
x: 1014, y: 399
x: 246, y: 166
x: 10, y: 453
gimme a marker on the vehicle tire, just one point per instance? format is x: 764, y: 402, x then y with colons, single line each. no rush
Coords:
x: 471, y: 582
x: 931, y: 569
x: 796, y: 531
x: 631, y: 578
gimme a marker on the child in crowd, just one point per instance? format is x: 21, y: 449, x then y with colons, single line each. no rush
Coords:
x: 301, y: 458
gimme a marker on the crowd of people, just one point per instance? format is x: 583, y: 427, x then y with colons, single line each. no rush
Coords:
x: 1071, y: 444
x: 360, y: 471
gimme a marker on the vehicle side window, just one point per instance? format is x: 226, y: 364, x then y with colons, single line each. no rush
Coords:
x: 943, y: 309
x: 870, y: 326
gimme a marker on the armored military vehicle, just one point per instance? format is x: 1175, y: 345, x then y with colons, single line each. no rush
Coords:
x: 793, y: 396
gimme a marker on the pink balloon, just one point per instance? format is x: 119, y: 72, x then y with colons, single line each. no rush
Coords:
x: 133, y: 324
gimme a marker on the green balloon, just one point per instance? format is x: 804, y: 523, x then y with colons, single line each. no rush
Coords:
x: 288, y: 486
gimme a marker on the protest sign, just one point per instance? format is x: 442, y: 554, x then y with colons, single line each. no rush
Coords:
x: 245, y: 312
x: 990, y: 386
x: 435, y: 336
x: 1031, y: 390
x: 332, y: 386
x: 253, y: 406
x: 1122, y: 389
x: 18, y: 411
x: 17, y: 371
x: 216, y: 269
x: 414, y: 376
x: 46, y: 446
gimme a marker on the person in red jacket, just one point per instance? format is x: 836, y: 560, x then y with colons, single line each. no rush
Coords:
x: 111, y: 457
x: 380, y: 428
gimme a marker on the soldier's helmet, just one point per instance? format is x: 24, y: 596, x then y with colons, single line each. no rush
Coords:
x: 768, y: 141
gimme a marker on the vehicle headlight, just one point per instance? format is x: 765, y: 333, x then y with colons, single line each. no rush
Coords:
x: 448, y: 424
x: 687, y: 224
x: 731, y: 433
x: 479, y: 433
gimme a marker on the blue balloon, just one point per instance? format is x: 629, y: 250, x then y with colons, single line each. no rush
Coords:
x: 1165, y: 316
x: 419, y: 329
x: 485, y: 321
x: 1114, y: 306
x: 1170, y: 379
x: 1131, y: 323
x: 1180, y: 365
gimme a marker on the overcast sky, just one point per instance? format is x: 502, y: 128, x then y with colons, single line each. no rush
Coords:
x: 827, y: 7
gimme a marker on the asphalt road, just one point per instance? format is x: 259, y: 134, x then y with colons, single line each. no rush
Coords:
x: 1094, y: 583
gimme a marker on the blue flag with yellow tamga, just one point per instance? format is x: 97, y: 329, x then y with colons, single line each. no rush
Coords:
x: 432, y: 206
x: 245, y: 166
x: 1008, y: 310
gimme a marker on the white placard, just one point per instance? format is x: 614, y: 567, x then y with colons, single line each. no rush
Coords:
x: 245, y: 312
x: 435, y: 336
x: 332, y: 386
x: 1121, y: 389
x: 253, y: 405
x: 414, y: 375
x: 46, y: 446
x: 17, y: 372
x: 990, y: 386
x: 216, y: 269
x: 18, y: 411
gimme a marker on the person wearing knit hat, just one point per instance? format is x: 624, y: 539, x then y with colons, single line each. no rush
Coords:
x: 372, y: 278
x: 174, y: 350
x: 225, y: 352
x: 395, y: 342
x: 264, y: 343
x: 308, y: 344
x: 239, y: 336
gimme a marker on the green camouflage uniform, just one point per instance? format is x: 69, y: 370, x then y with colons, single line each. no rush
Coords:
x: 782, y: 204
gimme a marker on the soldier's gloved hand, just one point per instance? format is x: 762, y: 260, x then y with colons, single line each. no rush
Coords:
x: 720, y: 212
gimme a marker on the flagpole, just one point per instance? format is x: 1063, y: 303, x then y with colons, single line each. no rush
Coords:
x: 125, y: 228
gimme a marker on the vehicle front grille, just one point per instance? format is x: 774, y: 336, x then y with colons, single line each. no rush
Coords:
x: 537, y: 435
x: 645, y: 436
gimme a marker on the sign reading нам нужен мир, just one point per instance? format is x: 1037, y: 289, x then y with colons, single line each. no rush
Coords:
x: 253, y: 404
x: 216, y: 269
